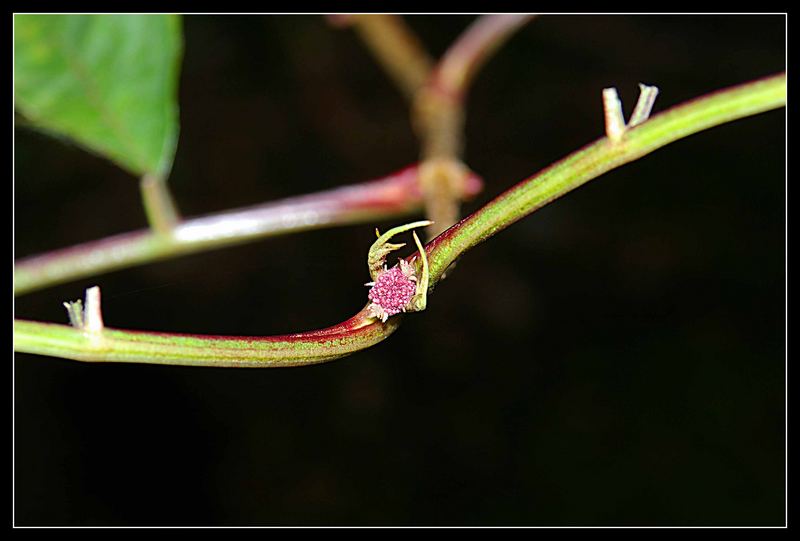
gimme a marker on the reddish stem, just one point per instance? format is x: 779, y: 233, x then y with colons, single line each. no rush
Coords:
x: 394, y: 195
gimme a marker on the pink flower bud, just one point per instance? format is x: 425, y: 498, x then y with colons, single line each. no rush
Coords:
x: 393, y: 290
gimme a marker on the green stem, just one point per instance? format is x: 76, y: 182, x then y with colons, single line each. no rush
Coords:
x: 162, y: 215
x: 362, y: 331
x: 116, y: 345
x: 600, y: 157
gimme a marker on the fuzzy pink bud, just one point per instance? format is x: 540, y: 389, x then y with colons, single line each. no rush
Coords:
x: 392, y: 291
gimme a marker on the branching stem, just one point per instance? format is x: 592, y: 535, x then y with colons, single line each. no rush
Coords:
x: 600, y: 157
x: 438, y: 114
x: 362, y: 330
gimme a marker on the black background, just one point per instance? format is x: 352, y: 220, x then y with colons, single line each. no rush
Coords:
x: 617, y: 358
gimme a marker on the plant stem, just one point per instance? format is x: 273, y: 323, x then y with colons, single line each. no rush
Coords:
x: 115, y: 345
x: 600, y: 157
x: 395, y: 195
x: 162, y: 215
x: 437, y: 96
x: 439, y: 115
x: 361, y: 331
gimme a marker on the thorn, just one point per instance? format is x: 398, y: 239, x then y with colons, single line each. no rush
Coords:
x: 87, y: 316
x: 615, y: 122
x: 93, y: 316
x: 647, y: 96
x: 75, y: 313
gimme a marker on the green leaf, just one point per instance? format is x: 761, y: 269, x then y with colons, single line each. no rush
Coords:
x: 107, y: 81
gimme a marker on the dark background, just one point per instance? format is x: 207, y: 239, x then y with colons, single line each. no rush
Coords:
x: 616, y: 358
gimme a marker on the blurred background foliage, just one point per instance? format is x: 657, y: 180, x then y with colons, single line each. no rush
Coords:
x: 617, y: 358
